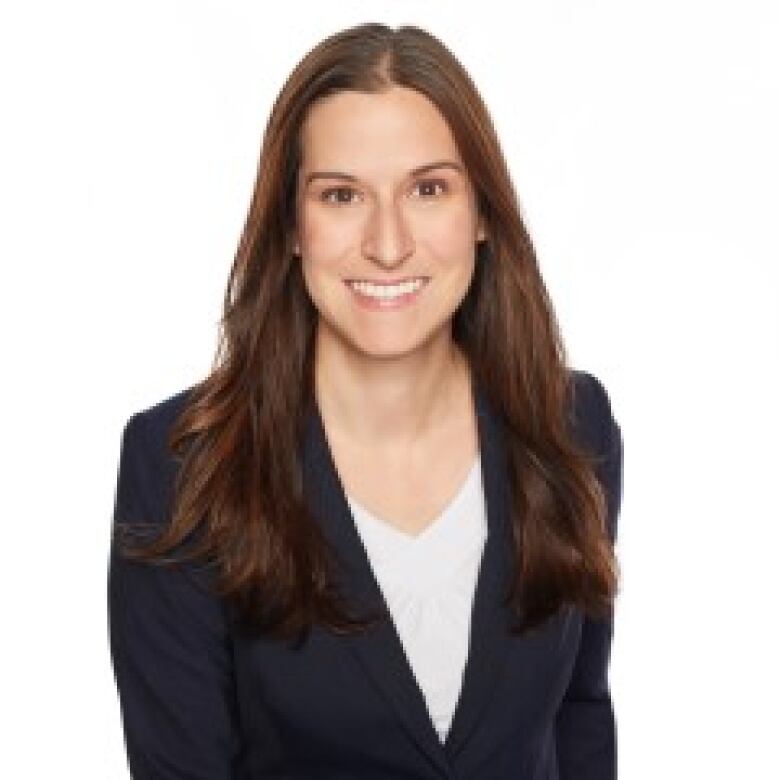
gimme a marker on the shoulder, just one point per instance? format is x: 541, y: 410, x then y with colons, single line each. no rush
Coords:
x: 147, y: 466
x: 592, y: 415
x: 157, y: 419
x: 597, y: 430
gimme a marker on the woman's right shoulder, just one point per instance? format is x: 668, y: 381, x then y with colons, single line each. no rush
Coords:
x: 147, y: 467
x: 157, y: 419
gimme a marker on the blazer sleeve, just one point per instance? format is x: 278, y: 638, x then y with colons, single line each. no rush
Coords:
x: 169, y: 643
x: 585, y: 723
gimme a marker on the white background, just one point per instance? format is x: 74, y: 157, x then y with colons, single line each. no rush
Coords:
x: 643, y: 142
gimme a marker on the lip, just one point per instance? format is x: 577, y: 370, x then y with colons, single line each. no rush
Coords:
x: 398, y: 280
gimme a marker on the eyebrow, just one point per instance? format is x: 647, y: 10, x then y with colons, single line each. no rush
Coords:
x: 414, y: 172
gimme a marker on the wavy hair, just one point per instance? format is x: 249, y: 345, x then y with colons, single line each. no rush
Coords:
x: 239, y: 485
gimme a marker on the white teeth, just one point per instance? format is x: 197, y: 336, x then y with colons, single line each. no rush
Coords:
x: 386, y: 291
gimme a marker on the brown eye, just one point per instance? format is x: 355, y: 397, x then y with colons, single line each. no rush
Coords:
x: 325, y: 196
x: 429, y: 185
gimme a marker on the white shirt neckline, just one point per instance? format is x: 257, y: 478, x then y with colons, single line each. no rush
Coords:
x: 366, y: 516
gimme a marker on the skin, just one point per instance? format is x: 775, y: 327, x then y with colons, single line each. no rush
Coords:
x: 391, y: 383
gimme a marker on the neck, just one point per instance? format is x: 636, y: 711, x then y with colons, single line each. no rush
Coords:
x: 388, y: 405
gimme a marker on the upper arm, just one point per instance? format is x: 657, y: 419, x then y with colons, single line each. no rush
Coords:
x: 585, y: 725
x: 169, y: 643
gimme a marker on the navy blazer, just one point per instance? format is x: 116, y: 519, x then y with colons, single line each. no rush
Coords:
x: 198, y: 701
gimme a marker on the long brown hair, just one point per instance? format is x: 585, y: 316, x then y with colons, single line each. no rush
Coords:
x: 239, y: 491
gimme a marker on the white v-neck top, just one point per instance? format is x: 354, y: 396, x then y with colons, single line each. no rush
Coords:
x: 428, y: 582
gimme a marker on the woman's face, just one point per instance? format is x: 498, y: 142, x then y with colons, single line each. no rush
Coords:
x: 364, y: 214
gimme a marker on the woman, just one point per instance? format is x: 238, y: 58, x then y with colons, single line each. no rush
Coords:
x: 377, y: 540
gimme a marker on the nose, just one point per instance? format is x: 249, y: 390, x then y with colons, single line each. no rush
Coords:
x: 388, y: 242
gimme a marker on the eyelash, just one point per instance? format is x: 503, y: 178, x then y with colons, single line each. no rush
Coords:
x: 324, y: 196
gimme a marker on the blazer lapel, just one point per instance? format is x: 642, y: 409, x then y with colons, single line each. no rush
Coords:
x: 489, y: 637
x: 380, y: 650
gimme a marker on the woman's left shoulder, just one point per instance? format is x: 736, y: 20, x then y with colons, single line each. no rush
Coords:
x: 592, y: 412
x: 597, y: 429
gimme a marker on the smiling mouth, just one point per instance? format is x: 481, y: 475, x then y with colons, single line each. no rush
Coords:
x: 387, y: 296
x: 388, y: 291
x: 388, y: 282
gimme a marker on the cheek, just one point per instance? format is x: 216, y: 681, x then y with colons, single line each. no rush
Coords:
x: 325, y: 238
x: 450, y: 236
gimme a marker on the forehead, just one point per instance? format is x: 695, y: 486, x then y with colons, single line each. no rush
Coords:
x: 365, y: 132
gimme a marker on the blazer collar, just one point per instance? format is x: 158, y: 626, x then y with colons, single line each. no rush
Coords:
x: 379, y: 650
